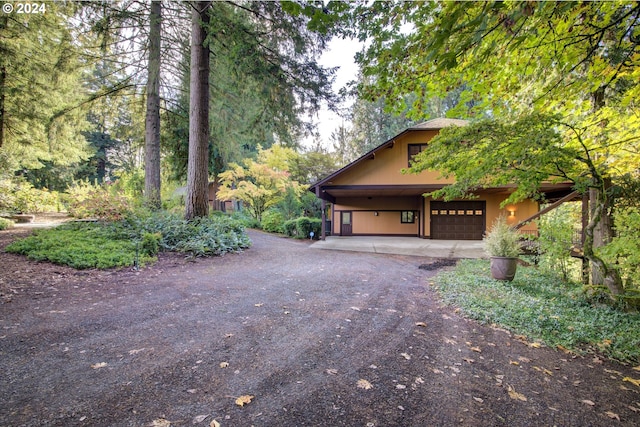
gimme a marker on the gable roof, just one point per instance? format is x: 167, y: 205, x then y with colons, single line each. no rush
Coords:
x: 433, y: 124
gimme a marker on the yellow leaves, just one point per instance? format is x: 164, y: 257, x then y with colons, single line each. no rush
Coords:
x: 244, y: 400
x: 632, y: 381
x: 515, y: 395
x: 472, y: 348
x: 637, y: 368
x: 364, y: 384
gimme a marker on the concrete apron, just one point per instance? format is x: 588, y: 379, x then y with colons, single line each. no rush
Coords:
x: 405, y: 246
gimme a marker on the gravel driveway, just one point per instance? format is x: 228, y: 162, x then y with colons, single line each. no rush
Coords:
x: 306, y: 337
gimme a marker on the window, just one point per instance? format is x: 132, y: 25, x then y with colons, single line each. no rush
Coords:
x: 407, y: 217
x: 414, y: 149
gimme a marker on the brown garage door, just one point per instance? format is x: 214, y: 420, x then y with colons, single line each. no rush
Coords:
x: 458, y: 220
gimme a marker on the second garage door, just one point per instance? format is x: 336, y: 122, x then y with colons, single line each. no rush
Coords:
x: 458, y: 220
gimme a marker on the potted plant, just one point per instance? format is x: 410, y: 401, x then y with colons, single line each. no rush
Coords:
x: 502, y: 243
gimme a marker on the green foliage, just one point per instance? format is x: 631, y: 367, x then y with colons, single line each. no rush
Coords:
x: 79, y: 245
x: 88, y: 201
x: 150, y: 244
x: 557, y: 230
x: 624, y: 249
x: 17, y: 195
x: 5, y: 223
x: 300, y: 228
x: 542, y: 308
x: 502, y: 240
x: 134, y: 240
x: 273, y: 221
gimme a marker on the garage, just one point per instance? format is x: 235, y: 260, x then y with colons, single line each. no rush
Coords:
x: 461, y: 220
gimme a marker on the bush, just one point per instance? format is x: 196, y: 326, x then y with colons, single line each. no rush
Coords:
x: 556, y: 238
x: 301, y: 228
x: 273, y: 221
x: 5, y: 223
x: 19, y: 196
x: 135, y: 240
x: 88, y: 201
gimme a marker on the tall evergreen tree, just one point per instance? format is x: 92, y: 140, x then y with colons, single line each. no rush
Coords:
x: 197, y: 203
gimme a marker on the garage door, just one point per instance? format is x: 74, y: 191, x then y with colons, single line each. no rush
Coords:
x: 458, y: 220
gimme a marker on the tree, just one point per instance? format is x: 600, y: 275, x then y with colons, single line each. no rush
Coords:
x: 567, y: 69
x: 40, y: 87
x: 257, y: 185
x: 197, y: 203
x: 152, y: 124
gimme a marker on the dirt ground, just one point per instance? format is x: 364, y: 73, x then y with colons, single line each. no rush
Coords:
x: 306, y: 337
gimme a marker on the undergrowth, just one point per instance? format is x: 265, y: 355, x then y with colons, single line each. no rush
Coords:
x: 132, y: 241
x: 542, y: 308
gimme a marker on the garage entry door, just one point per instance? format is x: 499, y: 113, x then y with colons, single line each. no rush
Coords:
x: 458, y: 220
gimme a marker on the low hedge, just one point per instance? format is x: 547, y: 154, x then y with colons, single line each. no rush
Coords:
x: 301, y: 228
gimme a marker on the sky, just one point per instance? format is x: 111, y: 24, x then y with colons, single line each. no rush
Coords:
x: 340, y: 53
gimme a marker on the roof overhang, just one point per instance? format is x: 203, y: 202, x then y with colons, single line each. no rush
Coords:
x: 329, y: 192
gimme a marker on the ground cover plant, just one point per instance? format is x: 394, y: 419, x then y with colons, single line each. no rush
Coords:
x: 132, y: 241
x: 542, y: 308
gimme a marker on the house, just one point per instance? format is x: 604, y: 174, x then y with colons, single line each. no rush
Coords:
x: 370, y: 196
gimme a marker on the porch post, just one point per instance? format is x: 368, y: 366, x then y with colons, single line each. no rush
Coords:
x: 324, y: 219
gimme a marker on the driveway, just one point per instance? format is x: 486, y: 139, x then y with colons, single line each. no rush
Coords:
x: 304, y: 337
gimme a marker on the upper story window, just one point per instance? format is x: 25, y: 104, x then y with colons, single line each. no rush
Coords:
x: 413, y: 150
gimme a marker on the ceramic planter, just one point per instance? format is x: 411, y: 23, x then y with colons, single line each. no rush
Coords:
x: 503, y: 268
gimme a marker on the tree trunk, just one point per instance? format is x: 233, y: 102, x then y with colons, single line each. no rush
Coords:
x: 198, y: 162
x: 3, y: 81
x: 152, y: 123
x: 597, y: 234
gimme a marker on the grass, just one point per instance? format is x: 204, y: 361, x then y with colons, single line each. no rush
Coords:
x: 543, y: 308
x: 132, y: 241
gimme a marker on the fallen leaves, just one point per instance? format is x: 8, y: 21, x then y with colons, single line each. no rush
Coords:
x: 99, y: 365
x: 244, y: 400
x: 588, y: 402
x: 160, y: 422
x: 612, y: 415
x: 422, y: 324
x: 331, y: 371
x: 214, y: 423
x: 632, y: 381
x: 515, y: 395
x: 224, y: 364
x: 199, y: 418
x: 364, y: 384
x: 406, y: 356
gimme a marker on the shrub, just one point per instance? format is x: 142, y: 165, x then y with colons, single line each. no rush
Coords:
x: 87, y: 201
x: 132, y: 241
x: 273, y: 221
x: 502, y: 240
x: 556, y: 238
x: 301, y: 228
x: 5, y: 223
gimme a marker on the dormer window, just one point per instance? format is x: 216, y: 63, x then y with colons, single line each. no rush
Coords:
x: 414, y: 149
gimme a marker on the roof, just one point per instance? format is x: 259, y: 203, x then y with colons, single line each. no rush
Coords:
x: 433, y: 124
x: 439, y: 123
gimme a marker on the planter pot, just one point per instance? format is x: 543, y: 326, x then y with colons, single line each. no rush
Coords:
x: 503, y: 268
